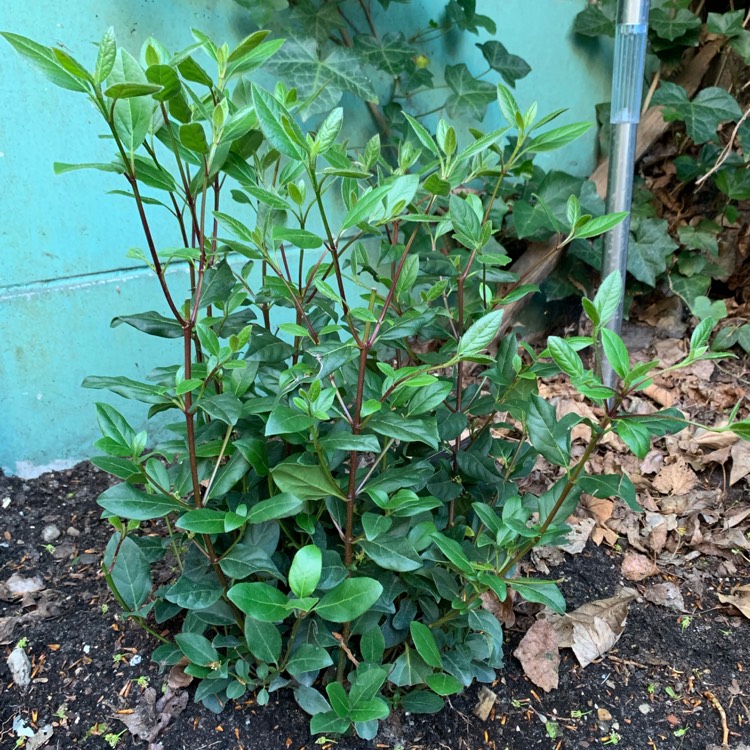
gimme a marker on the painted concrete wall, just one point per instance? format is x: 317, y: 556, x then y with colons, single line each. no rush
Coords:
x: 64, y: 273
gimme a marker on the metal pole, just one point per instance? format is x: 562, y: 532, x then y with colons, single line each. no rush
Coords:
x: 627, y: 87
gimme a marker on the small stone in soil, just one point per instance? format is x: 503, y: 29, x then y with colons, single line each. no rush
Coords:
x: 484, y: 706
x: 20, y: 668
x: 50, y: 533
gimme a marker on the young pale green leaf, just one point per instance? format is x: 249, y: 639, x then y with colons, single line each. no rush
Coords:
x: 305, y: 571
x: 105, y: 58
x: 350, y: 599
x: 130, y: 90
x: 270, y: 113
x: 329, y: 130
x: 261, y: 601
x: 480, y: 335
x: 198, y: 649
x: 608, y: 297
x: 132, y: 116
x: 616, y: 352
x: 556, y: 138
x: 599, y: 225
x: 424, y: 642
x: 508, y: 106
x: 422, y: 134
x: 701, y: 334
x: 43, y: 59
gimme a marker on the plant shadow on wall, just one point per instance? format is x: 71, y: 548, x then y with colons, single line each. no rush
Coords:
x: 343, y: 489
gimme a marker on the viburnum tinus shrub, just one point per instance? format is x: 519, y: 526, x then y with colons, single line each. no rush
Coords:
x: 343, y: 484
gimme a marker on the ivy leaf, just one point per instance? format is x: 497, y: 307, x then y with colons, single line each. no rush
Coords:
x: 649, y: 249
x: 469, y: 96
x: 391, y: 53
x: 511, y: 67
x: 321, y: 81
x: 263, y: 11
x: 702, y: 115
x: 463, y: 14
x: 672, y: 26
x: 592, y: 21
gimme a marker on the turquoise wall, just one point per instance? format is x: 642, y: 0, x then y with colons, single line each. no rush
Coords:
x: 64, y: 272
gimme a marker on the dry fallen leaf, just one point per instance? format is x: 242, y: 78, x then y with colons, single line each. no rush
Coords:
x: 636, y: 567
x: 150, y: 716
x: 740, y: 461
x: 539, y: 655
x: 591, y: 630
x: 665, y: 595
x: 17, y: 586
x: 578, y: 535
x: 676, y: 479
x: 177, y: 676
x: 741, y: 600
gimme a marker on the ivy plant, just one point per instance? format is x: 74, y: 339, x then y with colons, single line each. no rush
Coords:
x: 349, y: 427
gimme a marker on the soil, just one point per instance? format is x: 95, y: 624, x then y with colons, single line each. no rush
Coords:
x: 666, y: 684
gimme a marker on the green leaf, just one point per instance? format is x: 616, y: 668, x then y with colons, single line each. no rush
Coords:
x: 422, y: 702
x: 282, y: 505
x: 650, y: 250
x: 375, y: 525
x: 305, y: 481
x: 616, y: 352
x: 271, y: 113
x: 726, y: 24
x: 406, y: 430
x: 480, y: 335
x: 105, y: 58
x: 166, y: 77
x: 371, y: 710
x: 152, y: 323
x: 511, y: 67
x: 224, y: 407
x: 126, y: 501
x: 547, y: 433
x: 702, y: 115
x: 556, y: 138
x: 469, y: 96
x: 131, y: 572
x: 43, y: 59
x: 132, y: 117
x: 541, y: 592
x: 671, y: 25
x: 393, y: 553
x: 244, y: 560
x: 308, y: 658
x: 390, y: 52
x: 261, y: 601
x: 611, y: 485
x: 297, y: 237
x: 635, y: 436
x: 305, y: 571
x: 195, y: 594
x: 453, y: 552
x: 344, y: 441
x: 284, y: 420
x: 350, y: 599
x: 130, y: 90
x: 372, y: 645
x: 599, y: 225
x: 423, y: 135
x: 592, y: 21
x: 409, y: 669
x: 424, y: 642
x: 198, y: 649
x: 328, y: 722
x: 193, y: 137
x: 565, y: 356
x: 378, y: 204
x: 202, y: 521
x: 114, y: 426
x: 320, y: 78
x: 444, y: 684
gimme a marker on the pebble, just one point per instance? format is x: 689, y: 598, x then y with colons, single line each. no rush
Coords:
x: 50, y: 533
x: 6, y: 502
x: 73, y: 531
x: 603, y: 715
x: 136, y: 660
x: 20, y: 667
x: 644, y: 708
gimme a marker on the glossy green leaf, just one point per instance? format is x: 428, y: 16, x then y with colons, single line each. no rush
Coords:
x: 349, y: 599
x: 308, y: 658
x: 261, y: 601
x: 305, y: 481
x: 424, y: 642
x: 130, y: 571
x: 392, y: 553
x: 197, y: 649
x: 126, y: 501
x: 305, y: 571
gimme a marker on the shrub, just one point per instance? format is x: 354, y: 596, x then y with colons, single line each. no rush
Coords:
x: 344, y: 485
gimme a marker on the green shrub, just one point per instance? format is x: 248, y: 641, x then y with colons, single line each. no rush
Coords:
x: 343, y: 484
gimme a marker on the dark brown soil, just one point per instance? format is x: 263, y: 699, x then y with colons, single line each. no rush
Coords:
x: 653, y: 688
